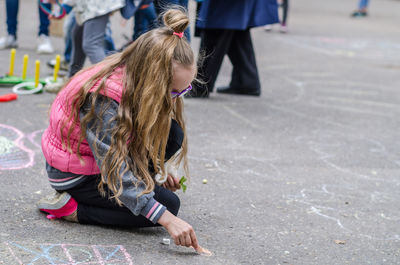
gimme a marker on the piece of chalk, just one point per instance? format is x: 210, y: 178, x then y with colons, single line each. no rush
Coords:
x: 204, y: 181
x: 8, y: 97
x: 166, y: 241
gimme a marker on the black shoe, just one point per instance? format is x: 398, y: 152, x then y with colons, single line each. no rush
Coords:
x: 236, y: 91
x: 359, y: 14
x: 197, y: 93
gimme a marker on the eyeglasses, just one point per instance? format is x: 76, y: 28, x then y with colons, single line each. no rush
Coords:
x: 180, y: 94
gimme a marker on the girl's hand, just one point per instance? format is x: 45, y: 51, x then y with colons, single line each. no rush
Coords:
x: 181, y: 232
x: 172, y: 184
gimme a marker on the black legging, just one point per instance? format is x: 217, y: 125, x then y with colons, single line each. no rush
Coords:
x: 96, y: 209
x: 285, y: 7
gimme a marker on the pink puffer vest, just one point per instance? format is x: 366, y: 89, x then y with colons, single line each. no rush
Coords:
x: 55, y: 154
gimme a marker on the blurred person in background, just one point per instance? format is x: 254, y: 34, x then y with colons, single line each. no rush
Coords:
x: 225, y: 30
x: 285, y: 9
x: 362, y: 9
x: 145, y: 18
x: 92, y: 18
x: 10, y: 41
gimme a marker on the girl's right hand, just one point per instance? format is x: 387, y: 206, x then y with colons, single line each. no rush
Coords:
x: 181, y: 232
x: 172, y: 183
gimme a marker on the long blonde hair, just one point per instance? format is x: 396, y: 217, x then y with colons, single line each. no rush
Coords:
x: 146, y: 107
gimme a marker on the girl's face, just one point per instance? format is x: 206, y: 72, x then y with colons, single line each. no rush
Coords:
x: 182, y: 77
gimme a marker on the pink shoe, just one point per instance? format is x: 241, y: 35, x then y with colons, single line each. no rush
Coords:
x: 58, y: 205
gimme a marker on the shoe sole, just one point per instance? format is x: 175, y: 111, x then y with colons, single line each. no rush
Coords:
x: 44, y: 52
x: 9, y: 47
x: 56, y: 204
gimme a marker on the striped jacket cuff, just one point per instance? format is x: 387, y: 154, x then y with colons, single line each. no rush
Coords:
x: 153, y: 210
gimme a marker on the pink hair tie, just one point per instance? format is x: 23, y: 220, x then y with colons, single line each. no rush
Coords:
x: 180, y: 34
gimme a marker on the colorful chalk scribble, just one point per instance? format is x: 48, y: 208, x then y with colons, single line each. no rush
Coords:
x: 68, y: 254
x: 13, y: 152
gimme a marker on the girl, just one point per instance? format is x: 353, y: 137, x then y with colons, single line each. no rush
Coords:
x: 111, y: 129
x: 161, y: 5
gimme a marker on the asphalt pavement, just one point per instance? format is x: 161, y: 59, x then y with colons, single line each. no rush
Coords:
x: 308, y: 173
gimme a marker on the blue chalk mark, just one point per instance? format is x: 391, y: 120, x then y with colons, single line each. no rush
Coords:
x: 113, y: 253
x: 44, y: 254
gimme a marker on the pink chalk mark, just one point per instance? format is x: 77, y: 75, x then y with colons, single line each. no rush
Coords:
x: 67, y: 254
x: 100, y: 260
x: 95, y: 262
x: 13, y: 254
x: 32, y: 137
x: 98, y: 255
x: 127, y: 261
x: 127, y: 256
x: 20, y: 144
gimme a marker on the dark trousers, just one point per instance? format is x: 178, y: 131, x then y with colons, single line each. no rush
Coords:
x: 44, y: 21
x: 96, y: 209
x: 145, y: 20
x: 237, y: 44
x: 285, y: 7
x: 12, y: 7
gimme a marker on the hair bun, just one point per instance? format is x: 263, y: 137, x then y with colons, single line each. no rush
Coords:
x: 176, y: 19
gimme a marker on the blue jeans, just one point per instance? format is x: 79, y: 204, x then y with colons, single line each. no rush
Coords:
x: 44, y: 21
x: 68, y: 27
x: 363, y: 4
x: 12, y: 7
x: 12, y: 12
x: 144, y: 20
x: 109, y: 46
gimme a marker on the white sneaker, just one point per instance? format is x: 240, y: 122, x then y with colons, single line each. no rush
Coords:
x: 8, y: 42
x: 44, y: 44
x: 268, y: 27
x: 283, y: 29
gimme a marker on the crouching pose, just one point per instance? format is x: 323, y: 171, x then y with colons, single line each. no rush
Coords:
x: 112, y: 128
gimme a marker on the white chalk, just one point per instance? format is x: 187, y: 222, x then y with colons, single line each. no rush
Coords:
x: 166, y: 241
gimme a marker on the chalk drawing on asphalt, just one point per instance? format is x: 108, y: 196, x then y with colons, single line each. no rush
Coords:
x: 13, y: 153
x: 68, y: 254
x: 358, y: 194
x: 370, y: 49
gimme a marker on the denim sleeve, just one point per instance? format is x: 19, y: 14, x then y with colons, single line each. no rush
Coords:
x: 144, y: 204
